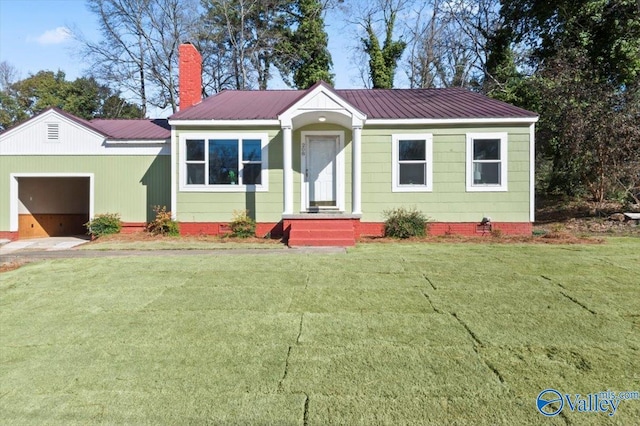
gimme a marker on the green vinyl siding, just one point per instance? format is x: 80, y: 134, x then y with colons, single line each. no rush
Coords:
x: 449, y: 201
x: 262, y: 206
x: 128, y: 185
x: 211, y: 206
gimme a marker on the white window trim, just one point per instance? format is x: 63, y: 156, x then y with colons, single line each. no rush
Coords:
x: 502, y: 187
x: 395, y: 173
x: 264, y: 142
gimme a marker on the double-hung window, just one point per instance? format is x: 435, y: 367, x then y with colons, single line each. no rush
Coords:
x: 486, y: 162
x: 412, y: 163
x: 224, y: 162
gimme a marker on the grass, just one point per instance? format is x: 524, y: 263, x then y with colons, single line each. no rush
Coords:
x: 386, y: 334
x: 149, y: 242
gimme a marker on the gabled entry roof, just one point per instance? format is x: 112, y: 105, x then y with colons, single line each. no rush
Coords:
x: 376, y: 104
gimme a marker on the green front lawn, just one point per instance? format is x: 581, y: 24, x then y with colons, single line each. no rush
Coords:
x: 386, y: 334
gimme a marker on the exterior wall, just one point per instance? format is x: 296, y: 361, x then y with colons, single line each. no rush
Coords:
x: 449, y: 201
x: 448, y: 205
x: 218, y: 207
x: 128, y: 185
x: 30, y: 138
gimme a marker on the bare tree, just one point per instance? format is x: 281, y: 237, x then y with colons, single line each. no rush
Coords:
x: 246, y: 34
x: 425, y: 46
x: 8, y: 75
x: 227, y: 20
x: 217, y: 64
x: 474, y: 23
x: 170, y: 23
x: 138, y: 49
x: 450, y: 43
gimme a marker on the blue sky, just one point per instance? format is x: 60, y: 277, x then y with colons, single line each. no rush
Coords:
x: 34, y: 36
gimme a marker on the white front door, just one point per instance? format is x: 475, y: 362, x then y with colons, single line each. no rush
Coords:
x: 320, y: 172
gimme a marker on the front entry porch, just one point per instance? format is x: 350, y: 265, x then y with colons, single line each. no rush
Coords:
x: 321, y: 229
x: 324, y: 219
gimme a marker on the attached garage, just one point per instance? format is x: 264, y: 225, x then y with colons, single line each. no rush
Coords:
x: 53, y: 206
x: 58, y: 171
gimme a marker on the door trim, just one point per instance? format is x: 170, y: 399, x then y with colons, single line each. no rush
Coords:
x: 340, y: 167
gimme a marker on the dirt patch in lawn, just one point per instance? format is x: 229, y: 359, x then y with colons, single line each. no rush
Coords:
x: 9, y: 266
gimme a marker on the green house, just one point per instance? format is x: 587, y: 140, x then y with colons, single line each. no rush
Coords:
x: 316, y: 166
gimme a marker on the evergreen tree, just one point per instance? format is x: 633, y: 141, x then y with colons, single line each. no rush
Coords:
x: 383, y: 61
x: 307, y: 56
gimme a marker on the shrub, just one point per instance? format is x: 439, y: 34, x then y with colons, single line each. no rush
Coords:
x: 539, y: 232
x: 163, y: 224
x: 242, y: 226
x: 404, y: 223
x: 104, y: 224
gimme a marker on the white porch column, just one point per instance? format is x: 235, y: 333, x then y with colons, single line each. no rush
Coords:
x: 356, y: 171
x: 287, y: 170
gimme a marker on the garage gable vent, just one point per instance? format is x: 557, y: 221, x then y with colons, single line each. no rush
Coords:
x: 53, y: 131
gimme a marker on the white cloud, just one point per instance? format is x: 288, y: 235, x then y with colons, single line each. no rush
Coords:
x: 55, y: 36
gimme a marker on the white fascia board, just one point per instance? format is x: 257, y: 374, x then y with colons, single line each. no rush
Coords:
x: 432, y: 121
x: 174, y: 176
x: 231, y: 123
x: 532, y: 173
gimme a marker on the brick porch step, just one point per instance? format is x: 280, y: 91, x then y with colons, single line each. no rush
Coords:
x: 329, y: 232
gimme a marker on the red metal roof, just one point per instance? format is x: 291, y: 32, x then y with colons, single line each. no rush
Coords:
x: 134, y: 129
x: 240, y: 105
x: 452, y: 103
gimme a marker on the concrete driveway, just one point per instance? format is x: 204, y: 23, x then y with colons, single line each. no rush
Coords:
x: 43, y: 244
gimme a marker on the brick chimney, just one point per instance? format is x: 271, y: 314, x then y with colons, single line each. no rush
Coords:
x: 190, y: 76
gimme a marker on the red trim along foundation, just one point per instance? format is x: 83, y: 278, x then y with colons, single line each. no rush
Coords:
x: 7, y: 235
x: 363, y: 229
x: 132, y: 227
x: 266, y: 230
